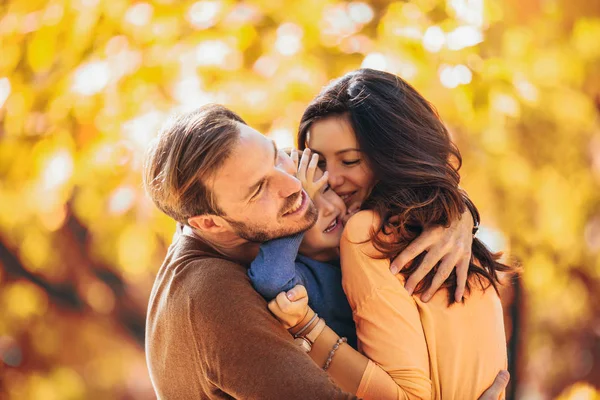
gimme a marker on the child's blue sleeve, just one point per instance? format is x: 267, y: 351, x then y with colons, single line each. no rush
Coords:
x: 274, y: 269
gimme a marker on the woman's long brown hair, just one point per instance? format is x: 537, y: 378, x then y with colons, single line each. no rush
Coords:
x: 414, y: 162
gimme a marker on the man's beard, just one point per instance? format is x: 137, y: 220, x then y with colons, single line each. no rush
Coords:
x: 261, y: 235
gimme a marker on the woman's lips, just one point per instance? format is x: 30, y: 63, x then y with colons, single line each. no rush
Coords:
x: 347, y: 196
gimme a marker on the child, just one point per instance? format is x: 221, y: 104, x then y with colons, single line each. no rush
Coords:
x: 310, y: 258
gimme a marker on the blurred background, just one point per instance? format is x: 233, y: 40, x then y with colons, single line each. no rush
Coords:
x: 85, y: 84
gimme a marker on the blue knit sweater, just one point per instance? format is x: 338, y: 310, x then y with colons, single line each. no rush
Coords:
x: 278, y: 267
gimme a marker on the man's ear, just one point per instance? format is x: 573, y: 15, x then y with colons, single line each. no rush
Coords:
x: 209, y: 223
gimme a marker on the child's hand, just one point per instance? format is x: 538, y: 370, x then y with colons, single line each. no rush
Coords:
x: 306, y: 172
x: 290, y: 307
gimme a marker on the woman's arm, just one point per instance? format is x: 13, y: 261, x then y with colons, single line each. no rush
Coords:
x: 349, y: 369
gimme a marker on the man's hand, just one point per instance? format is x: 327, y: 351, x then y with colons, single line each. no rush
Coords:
x: 306, y: 172
x: 290, y: 307
x: 451, y: 246
x: 498, y: 388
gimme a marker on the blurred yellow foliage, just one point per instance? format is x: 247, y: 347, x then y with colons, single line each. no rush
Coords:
x: 580, y: 391
x: 85, y: 84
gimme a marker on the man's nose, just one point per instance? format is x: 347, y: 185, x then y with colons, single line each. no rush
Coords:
x: 287, y: 164
x: 288, y: 184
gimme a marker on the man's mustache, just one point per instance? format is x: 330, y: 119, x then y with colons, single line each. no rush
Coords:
x: 290, y: 201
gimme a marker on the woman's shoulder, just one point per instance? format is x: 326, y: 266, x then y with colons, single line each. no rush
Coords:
x: 359, y: 226
x: 358, y: 233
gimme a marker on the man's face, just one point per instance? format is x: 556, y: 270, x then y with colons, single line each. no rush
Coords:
x: 258, y: 192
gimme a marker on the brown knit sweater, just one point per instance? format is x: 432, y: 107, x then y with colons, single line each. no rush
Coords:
x: 209, y: 335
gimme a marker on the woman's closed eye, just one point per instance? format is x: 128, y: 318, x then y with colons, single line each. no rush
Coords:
x: 351, y: 162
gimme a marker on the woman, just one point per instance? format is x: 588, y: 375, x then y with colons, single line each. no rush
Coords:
x: 385, y: 148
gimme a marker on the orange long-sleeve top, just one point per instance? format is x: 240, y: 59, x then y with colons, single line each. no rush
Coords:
x: 418, y: 350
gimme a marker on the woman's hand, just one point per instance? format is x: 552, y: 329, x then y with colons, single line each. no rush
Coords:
x: 451, y: 246
x: 290, y: 307
x: 306, y: 172
x: 498, y: 388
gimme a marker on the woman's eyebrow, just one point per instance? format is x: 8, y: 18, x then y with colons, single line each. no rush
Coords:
x: 345, y: 151
x: 337, y: 152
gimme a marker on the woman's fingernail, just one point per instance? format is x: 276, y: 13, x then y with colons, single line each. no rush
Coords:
x: 394, y: 269
x: 290, y: 295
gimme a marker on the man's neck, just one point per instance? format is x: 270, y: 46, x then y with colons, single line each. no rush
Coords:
x: 232, y: 247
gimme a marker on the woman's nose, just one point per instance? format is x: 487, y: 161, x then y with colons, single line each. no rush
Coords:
x: 335, y: 180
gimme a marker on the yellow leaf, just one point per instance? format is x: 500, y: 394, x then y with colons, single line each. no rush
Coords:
x: 41, y: 50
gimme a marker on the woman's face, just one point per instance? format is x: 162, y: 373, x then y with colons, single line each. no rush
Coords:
x: 349, y: 174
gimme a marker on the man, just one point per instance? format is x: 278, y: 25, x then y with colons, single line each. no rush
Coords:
x: 209, y: 334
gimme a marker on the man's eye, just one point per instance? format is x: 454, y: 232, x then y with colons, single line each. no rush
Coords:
x: 259, y: 190
x: 351, y: 162
x: 321, y: 164
x: 326, y: 187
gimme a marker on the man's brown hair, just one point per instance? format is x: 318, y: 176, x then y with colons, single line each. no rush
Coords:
x: 188, y: 150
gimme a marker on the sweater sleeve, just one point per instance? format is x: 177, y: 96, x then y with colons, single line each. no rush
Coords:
x: 387, y: 319
x: 274, y: 269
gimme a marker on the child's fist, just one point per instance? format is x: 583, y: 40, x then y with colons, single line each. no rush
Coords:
x: 290, y: 307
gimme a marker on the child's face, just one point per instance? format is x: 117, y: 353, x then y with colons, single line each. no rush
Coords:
x: 322, y: 241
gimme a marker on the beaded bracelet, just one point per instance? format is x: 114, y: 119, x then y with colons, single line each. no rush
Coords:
x: 332, y: 352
